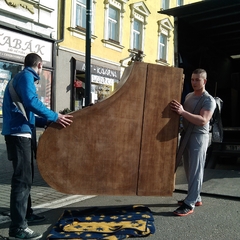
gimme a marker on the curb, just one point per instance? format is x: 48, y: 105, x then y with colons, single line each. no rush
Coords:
x: 60, y: 203
x: 52, y: 205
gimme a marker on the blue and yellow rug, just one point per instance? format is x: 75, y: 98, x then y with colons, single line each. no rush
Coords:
x: 112, y: 223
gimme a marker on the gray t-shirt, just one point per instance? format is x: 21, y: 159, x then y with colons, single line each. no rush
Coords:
x: 189, y: 105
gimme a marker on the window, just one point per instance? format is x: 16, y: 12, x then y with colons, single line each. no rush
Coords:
x: 78, y: 19
x: 165, y: 4
x: 163, y: 47
x: 179, y: 3
x: 8, y: 70
x: 165, y: 28
x: 113, y: 23
x: 103, y: 82
x: 137, y: 34
x: 139, y: 14
x: 81, y: 13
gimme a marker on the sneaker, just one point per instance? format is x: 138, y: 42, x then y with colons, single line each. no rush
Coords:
x: 183, y: 210
x: 25, y: 233
x: 35, y: 218
x: 197, y: 204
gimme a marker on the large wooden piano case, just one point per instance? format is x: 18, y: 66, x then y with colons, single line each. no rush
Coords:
x: 124, y: 145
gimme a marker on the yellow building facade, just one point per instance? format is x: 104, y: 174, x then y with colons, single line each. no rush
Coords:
x: 25, y: 27
x: 121, y: 31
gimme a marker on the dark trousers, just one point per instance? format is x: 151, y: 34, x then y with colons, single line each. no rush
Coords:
x: 20, y: 152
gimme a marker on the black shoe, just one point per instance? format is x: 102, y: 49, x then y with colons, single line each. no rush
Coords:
x: 35, y: 218
x: 25, y: 233
x: 183, y: 210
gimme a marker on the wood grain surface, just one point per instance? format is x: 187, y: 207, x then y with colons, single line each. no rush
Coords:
x: 124, y: 145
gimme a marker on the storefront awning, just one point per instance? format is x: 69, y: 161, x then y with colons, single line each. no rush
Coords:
x: 209, y: 24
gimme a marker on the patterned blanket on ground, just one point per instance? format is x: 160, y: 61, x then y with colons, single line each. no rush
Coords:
x: 112, y: 223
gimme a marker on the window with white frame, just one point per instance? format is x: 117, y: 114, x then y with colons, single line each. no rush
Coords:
x: 165, y: 28
x: 165, y: 4
x: 162, y: 47
x: 113, y: 23
x: 81, y: 13
x: 78, y: 19
x: 137, y: 35
x: 139, y: 14
x: 179, y: 3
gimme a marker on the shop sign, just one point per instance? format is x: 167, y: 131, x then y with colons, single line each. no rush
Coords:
x: 102, y: 80
x: 100, y: 71
x: 15, y: 46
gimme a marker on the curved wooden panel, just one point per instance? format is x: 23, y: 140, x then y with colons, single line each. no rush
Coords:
x: 117, y: 147
x: 99, y: 152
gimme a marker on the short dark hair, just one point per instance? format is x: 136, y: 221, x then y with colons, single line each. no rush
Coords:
x: 200, y: 71
x: 32, y: 60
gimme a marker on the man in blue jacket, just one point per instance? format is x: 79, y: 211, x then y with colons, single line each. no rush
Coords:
x: 19, y: 132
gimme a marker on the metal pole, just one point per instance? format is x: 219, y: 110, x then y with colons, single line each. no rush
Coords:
x: 176, y: 53
x: 88, y: 53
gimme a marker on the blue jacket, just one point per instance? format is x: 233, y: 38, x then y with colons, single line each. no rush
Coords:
x: 13, y: 119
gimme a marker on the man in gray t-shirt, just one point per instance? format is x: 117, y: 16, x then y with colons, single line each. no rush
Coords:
x: 190, y: 102
x: 194, y: 154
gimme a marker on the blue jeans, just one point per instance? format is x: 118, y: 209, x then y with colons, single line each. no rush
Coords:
x: 20, y: 152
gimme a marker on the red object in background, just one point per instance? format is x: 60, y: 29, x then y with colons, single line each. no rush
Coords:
x: 77, y: 84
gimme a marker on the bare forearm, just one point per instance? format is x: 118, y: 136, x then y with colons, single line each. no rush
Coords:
x: 193, y: 118
x: 196, y: 119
